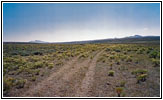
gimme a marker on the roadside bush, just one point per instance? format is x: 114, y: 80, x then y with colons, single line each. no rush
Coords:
x: 122, y: 83
x: 111, y: 73
x: 119, y: 91
x: 141, y: 78
x: 50, y: 65
x: 60, y: 63
x: 83, y: 56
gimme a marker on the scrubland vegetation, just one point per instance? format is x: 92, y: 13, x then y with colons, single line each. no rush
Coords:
x: 120, y: 70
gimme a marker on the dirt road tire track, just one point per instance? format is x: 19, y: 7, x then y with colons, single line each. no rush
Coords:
x: 46, y: 84
x: 67, y: 80
x: 85, y: 88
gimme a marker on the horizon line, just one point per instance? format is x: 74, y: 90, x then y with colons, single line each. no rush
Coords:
x: 32, y: 41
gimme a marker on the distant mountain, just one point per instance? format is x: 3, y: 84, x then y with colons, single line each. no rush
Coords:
x: 37, y: 41
x: 130, y: 39
x: 135, y: 36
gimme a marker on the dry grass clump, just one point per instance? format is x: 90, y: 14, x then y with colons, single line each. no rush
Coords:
x: 119, y: 90
x: 111, y: 73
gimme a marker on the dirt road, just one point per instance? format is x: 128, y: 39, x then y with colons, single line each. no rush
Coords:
x: 75, y: 78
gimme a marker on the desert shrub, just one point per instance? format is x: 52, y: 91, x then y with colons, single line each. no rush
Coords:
x: 111, y: 66
x: 156, y: 62
x: 128, y: 59
x: 122, y: 83
x: 91, y: 57
x: 123, y: 57
x: 33, y: 59
x: 37, y: 65
x: 24, y: 53
x: 128, y: 50
x: 118, y: 62
x: 107, y: 49
x: 148, y: 51
x: 20, y: 83
x: 37, y: 72
x: 105, y: 55
x: 119, y: 90
x: 84, y: 56
x: 21, y: 69
x: 101, y: 59
x: 125, y: 52
x: 7, y: 84
x: 141, y: 78
x: 117, y: 50
x: 154, y: 54
x: 140, y: 51
x: 139, y: 71
x: 37, y: 53
x: 33, y: 78
x: 111, y: 73
x: 60, y: 63
x: 14, y: 53
x: 112, y: 57
x: 50, y: 65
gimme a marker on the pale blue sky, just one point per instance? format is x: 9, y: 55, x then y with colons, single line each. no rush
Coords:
x: 60, y: 22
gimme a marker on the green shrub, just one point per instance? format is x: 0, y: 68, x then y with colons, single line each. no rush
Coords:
x: 38, y: 65
x: 84, y: 56
x: 33, y: 78
x: 119, y: 90
x: 139, y: 71
x: 8, y: 83
x: 111, y: 73
x: 154, y: 54
x: 128, y: 59
x: 141, y: 78
x: 156, y: 62
x: 60, y: 63
x: 50, y: 65
x: 37, y: 72
x: 122, y: 83
x: 112, y: 57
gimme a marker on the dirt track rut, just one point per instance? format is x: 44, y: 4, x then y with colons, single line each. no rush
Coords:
x: 73, y: 79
